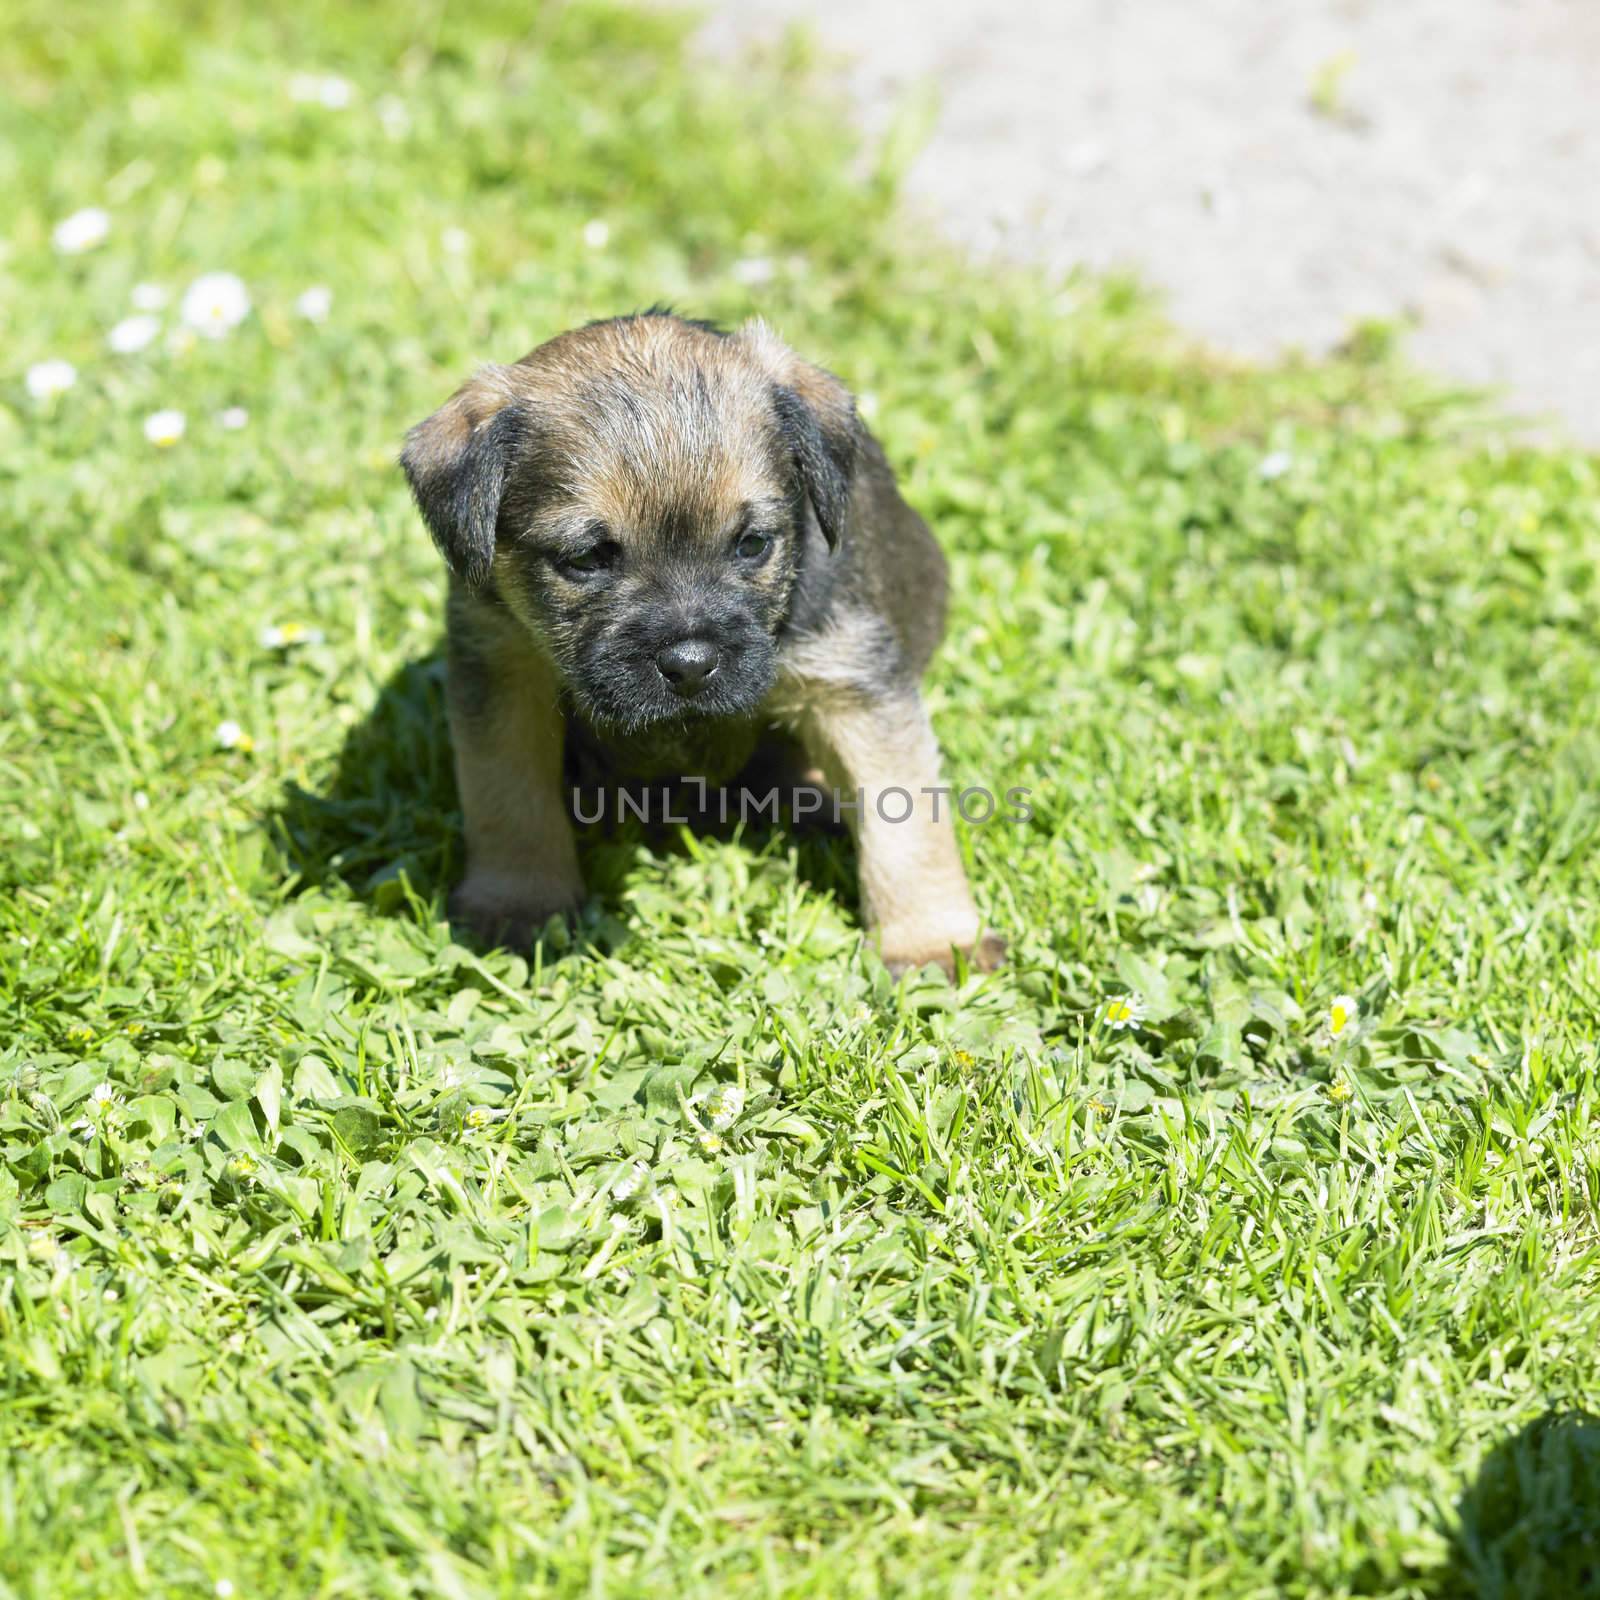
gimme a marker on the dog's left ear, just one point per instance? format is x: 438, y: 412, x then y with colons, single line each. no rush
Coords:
x: 818, y: 424
x: 457, y: 463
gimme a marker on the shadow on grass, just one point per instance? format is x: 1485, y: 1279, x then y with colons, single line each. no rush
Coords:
x: 1530, y: 1523
x: 390, y: 817
x: 390, y: 810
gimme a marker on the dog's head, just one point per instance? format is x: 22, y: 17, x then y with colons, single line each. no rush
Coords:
x: 642, y: 494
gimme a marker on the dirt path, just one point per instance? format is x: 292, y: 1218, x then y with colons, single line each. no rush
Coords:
x: 1281, y: 168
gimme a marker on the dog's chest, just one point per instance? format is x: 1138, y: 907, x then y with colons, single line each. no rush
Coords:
x: 714, y: 749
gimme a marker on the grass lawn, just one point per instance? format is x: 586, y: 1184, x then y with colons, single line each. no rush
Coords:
x: 690, y: 1255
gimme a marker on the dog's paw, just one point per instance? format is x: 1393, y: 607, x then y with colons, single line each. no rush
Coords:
x: 497, y: 910
x: 907, y: 950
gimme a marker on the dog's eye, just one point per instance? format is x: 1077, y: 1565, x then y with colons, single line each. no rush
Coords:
x: 751, y: 546
x: 588, y: 563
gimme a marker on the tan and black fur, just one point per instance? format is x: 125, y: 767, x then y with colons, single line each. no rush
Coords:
x: 670, y: 542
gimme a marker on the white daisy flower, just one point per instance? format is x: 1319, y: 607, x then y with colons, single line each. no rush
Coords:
x: 628, y: 1183
x: 47, y: 379
x: 234, y: 418
x: 724, y: 1107
x: 1343, y: 1014
x: 103, y: 1095
x: 133, y: 334
x: 230, y: 736
x: 323, y: 89
x: 83, y: 230
x: 280, y: 635
x: 223, y: 1589
x: 148, y: 297
x: 1274, y: 465
x: 1123, y: 1011
x: 215, y: 304
x: 84, y: 1128
x: 456, y: 241
x: 754, y: 270
x: 394, y: 117
x: 164, y: 428
x: 597, y: 234
x: 315, y: 304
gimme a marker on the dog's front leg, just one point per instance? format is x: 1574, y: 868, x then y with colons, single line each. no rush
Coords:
x: 508, y: 731
x: 914, y: 893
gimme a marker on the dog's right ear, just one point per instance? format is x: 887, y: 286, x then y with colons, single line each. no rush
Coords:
x: 457, y: 463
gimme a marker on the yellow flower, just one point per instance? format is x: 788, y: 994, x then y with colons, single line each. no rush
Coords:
x: 1343, y: 1015
x: 1339, y: 1091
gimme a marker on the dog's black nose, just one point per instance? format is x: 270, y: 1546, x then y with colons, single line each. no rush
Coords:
x: 687, y: 664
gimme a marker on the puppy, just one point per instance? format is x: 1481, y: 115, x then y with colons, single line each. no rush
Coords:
x: 668, y: 542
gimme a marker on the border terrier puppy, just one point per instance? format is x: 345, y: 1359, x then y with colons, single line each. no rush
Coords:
x: 669, y: 542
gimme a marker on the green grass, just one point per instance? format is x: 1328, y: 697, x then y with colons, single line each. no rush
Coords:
x: 980, y: 1296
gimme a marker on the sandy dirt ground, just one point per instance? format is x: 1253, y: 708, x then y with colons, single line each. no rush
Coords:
x: 1279, y: 168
